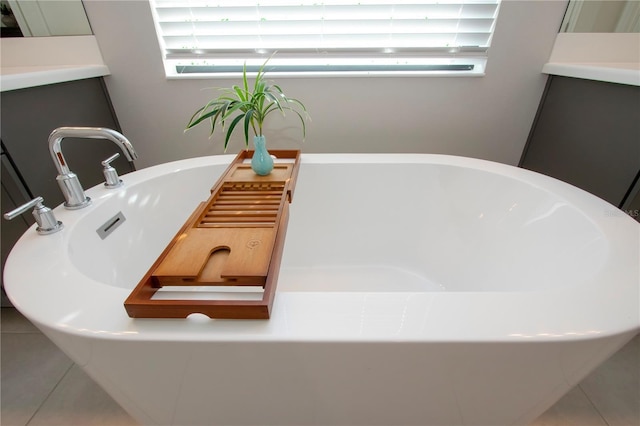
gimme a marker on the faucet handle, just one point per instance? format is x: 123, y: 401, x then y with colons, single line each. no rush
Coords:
x: 110, y: 174
x: 46, y: 220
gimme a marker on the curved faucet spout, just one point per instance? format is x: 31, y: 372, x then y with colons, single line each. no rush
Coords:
x: 67, y: 180
x: 56, y: 137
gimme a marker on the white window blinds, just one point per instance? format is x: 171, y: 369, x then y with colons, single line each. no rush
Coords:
x: 204, y: 36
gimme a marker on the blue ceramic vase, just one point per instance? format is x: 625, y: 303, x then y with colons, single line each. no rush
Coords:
x: 261, y: 162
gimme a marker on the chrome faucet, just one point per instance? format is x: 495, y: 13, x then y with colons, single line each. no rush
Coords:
x: 67, y: 180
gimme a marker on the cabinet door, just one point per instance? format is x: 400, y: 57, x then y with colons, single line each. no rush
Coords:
x: 30, y: 115
x: 587, y: 133
x: 13, y: 196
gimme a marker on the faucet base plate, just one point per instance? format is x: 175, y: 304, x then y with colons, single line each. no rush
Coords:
x: 81, y: 205
x: 47, y: 231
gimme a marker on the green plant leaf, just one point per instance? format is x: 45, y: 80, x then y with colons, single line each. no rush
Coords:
x: 304, y: 126
x: 275, y: 102
x: 200, y: 118
x: 234, y: 106
x: 230, y: 131
x: 248, y: 118
x: 300, y: 104
x: 241, y: 94
x: 275, y: 86
x: 217, y: 116
x: 244, y: 77
x: 192, y: 121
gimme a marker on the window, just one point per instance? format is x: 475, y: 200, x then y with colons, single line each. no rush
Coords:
x: 366, y: 37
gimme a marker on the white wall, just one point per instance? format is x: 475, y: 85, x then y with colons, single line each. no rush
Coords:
x: 484, y: 117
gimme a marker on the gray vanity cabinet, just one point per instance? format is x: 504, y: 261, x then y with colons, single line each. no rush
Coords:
x: 28, y: 116
x: 587, y: 133
x: 13, y: 195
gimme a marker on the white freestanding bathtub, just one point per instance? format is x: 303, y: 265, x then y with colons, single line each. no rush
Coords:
x: 413, y: 290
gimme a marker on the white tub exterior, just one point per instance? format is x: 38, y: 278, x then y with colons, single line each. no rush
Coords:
x: 414, y: 290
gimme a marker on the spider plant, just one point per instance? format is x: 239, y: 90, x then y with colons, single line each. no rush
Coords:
x: 239, y: 104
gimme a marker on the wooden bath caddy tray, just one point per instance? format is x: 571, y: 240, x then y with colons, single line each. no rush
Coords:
x: 234, y: 240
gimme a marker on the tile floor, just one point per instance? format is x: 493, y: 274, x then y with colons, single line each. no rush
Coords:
x: 40, y: 386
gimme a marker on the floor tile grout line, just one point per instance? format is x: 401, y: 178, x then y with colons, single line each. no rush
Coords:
x: 593, y: 404
x: 44, y: 400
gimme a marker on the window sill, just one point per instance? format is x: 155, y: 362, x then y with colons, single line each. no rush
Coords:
x: 435, y: 67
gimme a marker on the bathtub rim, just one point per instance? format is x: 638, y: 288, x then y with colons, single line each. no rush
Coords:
x: 536, y: 310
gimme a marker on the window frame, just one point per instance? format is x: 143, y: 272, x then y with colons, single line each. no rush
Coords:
x: 197, y: 63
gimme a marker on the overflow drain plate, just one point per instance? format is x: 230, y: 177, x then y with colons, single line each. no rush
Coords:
x: 110, y: 225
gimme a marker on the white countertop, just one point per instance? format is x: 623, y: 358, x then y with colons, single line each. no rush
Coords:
x: 12, y: 78
x: 611, y: 72
x: 608, y: 57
